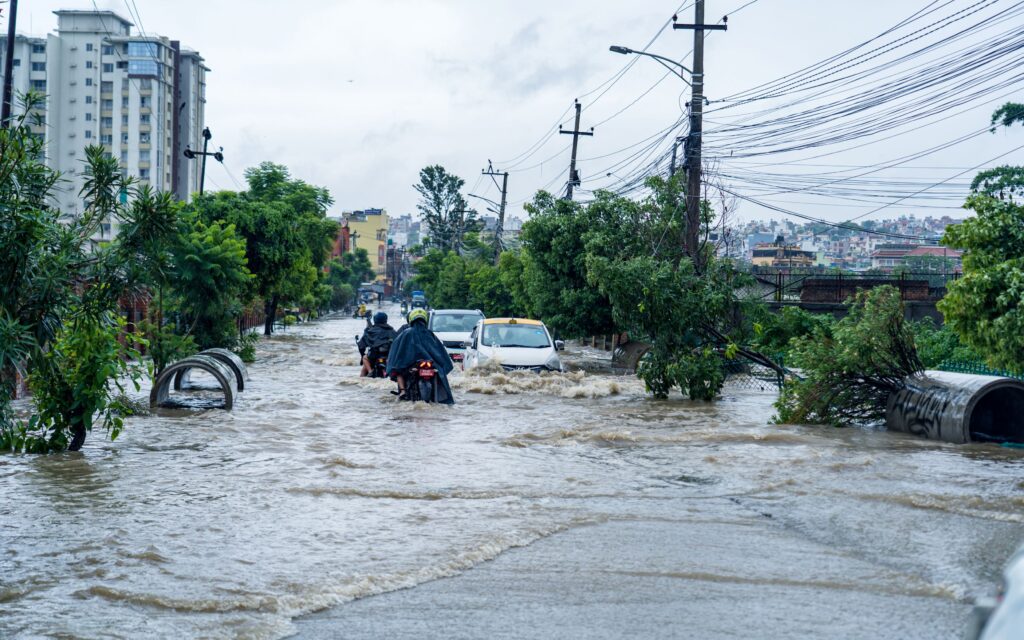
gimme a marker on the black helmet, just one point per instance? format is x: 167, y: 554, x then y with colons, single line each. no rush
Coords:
x: 380, y: 318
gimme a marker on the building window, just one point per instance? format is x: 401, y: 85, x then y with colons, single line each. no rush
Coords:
x: 88, y: 64
x: 122, y: 64
x: 39, y: 66
x: 144, y: 139
x: 124, y: 157
x: 144, y: 118
x: 108, y: 50
x: 145, y: 84
x: 107, y: 87
x: 88, y: 134
x: 143, y: 68
x: 39, y: 85
x: 17, y: 62
x: 107, y: 139
x: 108, y: 104
x: 88, y: 46
x: 107, y: 123
x: 39, y: 48
x: 124, y: 102
x: 88, y: 99
x: 124, y: 138
x: 124, y: 121
x: 108, y: 67
x: 144, y: 174
x: 88, y: 82
x: 88, y: 117
x: 143, y: 50
x: 144, y: 155
x: 145, y: 102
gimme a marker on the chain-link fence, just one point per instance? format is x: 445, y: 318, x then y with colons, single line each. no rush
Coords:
x: 741, y: 373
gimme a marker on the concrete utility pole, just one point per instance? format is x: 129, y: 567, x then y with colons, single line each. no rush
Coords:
x: 693, y: 143
x: 499, y: 230
x: 217, y: 155
x: 574, y: 176
x: 12, y: 21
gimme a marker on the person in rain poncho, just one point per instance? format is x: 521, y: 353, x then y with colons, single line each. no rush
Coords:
x: 415, y: 344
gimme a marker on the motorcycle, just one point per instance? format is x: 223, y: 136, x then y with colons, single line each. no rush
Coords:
x: 378, y: 362
x: 421, y: 382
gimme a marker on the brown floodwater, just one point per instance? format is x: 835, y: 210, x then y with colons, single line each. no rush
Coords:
x: 319, y: 489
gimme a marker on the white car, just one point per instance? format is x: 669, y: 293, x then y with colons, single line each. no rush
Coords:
x: 453, y: 327
x: 514, y: 343
x: 1002, y: 618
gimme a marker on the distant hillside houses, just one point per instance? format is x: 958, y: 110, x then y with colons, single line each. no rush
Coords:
x: 857, y: 246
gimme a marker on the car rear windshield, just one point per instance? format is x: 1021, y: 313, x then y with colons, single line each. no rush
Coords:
x: 530, y: 336
x: 454, y: 322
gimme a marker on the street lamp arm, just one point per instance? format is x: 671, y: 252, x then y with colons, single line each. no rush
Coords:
x: 668, y: 63
x: 473, y: 195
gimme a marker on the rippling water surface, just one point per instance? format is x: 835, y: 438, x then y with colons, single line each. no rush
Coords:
x: 319, y: 489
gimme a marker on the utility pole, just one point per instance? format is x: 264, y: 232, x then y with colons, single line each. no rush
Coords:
x: 499, y: 230
x: 692, y: 148
x: 12, y: 21
x: 574, y: 176
x: 217, y: 155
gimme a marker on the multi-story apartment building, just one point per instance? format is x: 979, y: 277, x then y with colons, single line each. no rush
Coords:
x: 142, y: 97
x: 368, y: 229
x: 29, y: 73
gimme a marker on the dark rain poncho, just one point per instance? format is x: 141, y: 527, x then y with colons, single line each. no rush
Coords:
x: 419, y: 343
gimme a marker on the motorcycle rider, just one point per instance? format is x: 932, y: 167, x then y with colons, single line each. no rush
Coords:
x: 376, y: 341
x: 414, y: 344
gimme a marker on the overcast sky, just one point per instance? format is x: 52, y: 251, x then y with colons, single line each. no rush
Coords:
x: 359, y: 95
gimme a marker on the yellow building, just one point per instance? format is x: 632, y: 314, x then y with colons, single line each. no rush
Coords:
x: 368, y: 229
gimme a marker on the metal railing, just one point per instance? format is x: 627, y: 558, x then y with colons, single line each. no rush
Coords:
x: 789, y: 285
x: 976, y: 367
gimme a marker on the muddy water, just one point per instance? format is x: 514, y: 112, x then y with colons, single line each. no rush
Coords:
x: 319, y: 489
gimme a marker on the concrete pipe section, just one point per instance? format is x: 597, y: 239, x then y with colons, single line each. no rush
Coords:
x: 959, y: 408
x: 224, y: 375
x: 228, y: 358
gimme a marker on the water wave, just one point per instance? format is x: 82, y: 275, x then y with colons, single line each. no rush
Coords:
x: 491, y: 379
x: 310, y: 598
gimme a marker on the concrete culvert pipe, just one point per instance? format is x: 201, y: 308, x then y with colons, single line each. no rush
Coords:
x: 232, y: 360
x: 173, y: 375
x: 959, y: 408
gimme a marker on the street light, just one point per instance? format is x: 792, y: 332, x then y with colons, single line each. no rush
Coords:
x: 662, y: 60
x: 473, y: 195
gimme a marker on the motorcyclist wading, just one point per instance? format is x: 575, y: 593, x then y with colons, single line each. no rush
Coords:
x: 375, y: 345
x: 419, y: 363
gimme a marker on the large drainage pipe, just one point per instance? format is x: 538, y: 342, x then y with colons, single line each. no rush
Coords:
x: 228, y: 358
x: 959, y: 408
x: 224, y: 375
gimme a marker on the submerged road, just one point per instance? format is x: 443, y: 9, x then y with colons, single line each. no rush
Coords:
x: 558, y: 506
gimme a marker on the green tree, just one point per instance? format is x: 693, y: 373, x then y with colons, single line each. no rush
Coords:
x: 985, y: 306
x: 59, y: 293
x: 444, y: 209
x: 555, y: 273
x: 210, y: 280
x: 285, y: 226
x: 1007, y: 115
x: 851, y: 367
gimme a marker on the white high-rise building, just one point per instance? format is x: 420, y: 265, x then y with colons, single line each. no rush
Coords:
x: 29, y: 74
x: 142, y: 97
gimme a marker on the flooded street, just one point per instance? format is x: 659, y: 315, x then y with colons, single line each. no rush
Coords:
x: 698, y: 520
